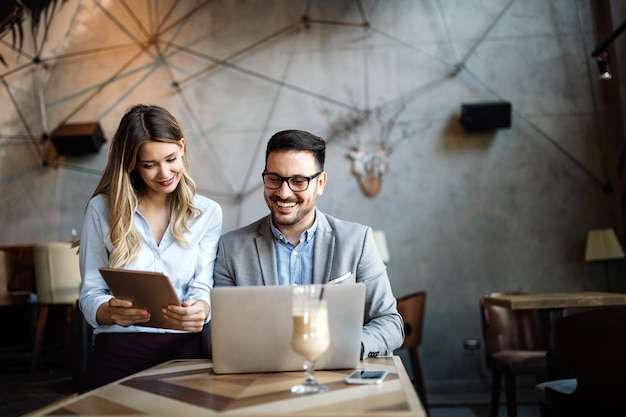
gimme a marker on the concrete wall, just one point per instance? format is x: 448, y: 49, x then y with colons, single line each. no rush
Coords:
x: 464, y: 214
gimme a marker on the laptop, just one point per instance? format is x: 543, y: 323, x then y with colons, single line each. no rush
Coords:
x: 251, y: 329
x: 149, y: 290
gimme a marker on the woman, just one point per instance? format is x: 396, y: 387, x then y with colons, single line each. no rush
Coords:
x: 145, y: 215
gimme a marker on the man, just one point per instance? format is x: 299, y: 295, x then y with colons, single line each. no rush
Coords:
x: 298, y: 244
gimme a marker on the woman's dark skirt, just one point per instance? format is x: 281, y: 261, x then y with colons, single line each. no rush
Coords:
x: 117, y: 355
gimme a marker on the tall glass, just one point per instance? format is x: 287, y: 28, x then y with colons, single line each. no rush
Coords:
x: 310, y: 337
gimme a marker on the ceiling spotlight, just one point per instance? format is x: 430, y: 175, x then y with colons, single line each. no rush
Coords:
x: 604, y: 72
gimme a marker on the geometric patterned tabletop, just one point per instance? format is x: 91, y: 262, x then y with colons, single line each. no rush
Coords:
x: 190, y: 388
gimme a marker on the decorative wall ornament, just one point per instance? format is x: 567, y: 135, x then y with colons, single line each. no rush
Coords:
x: 369, y: 166
x: 368, y: 134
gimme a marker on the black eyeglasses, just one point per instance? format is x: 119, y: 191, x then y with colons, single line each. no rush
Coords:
x: 295, y: 183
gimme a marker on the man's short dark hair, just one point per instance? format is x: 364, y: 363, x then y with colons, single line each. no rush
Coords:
x: 298, y: 140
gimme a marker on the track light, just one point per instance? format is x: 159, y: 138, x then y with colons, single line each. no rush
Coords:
x: 604, y: 72
x: 602, y: 56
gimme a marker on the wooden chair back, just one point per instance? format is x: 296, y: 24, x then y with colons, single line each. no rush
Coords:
x: 411, y: 308
x: 516, y: 343
x: 7, y: 272
x: 506, y: 329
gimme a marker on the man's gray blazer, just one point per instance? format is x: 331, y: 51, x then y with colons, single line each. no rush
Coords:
x: 246, y: 257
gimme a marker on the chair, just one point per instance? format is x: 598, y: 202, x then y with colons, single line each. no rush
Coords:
x: 516, y: 343
x: 411, y: 308
x: 16, y: 274
x: 592, y: 345
x: 7, y: 271
x: 57, y: 278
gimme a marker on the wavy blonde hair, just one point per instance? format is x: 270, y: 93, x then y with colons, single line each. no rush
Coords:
x: 123, y: 186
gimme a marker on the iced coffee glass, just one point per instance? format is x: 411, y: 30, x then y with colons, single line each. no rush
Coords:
x: 310, y: 337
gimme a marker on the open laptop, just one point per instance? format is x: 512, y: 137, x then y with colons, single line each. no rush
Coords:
x: 251, y: 328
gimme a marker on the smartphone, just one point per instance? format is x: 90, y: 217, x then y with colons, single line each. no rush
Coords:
x: 367, y: 376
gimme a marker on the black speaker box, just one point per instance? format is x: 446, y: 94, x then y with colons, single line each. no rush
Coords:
x: 485, y: 116
x: 78, y: 138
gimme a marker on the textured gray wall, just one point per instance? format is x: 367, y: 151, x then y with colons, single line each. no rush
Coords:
x: 463, y: 214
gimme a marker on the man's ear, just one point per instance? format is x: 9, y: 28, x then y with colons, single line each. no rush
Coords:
x: 321, y: 182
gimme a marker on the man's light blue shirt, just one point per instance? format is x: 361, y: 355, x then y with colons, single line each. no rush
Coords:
x: 294, y: 263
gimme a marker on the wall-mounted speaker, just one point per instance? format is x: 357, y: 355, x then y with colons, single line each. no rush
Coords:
x: 78, y: 138
x: 486, y: 116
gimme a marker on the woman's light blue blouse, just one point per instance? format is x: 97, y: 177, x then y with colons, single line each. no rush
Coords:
x: 190, y: 268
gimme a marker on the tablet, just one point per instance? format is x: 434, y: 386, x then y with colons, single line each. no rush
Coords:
x: 149, y: 290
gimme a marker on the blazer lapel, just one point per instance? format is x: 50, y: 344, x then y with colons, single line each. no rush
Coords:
x: 323, y: 251
x: 265, y: 253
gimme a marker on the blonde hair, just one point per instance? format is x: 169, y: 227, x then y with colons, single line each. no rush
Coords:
x: 122, y: 184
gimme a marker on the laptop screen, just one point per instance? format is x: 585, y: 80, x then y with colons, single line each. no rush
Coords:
x: 251, y: 328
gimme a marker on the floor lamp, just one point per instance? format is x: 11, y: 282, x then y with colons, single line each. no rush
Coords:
x: 603, y: 246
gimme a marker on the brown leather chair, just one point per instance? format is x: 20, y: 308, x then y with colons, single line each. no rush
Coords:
x: 411, y: 308
x: 516, y: 343
x: 592, y: 345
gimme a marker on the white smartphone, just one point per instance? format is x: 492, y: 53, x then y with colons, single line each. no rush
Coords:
x: 367, y: 376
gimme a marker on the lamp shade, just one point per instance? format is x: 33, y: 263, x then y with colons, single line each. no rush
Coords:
x: 602, y: 245
x: 381, y: 244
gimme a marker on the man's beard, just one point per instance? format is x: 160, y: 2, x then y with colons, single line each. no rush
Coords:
x: 280, y: 219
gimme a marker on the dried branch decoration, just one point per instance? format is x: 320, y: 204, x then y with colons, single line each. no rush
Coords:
x: 368, y: 165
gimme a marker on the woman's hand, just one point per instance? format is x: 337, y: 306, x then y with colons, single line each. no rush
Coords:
x: 121, y: 312
x: 190, y: 315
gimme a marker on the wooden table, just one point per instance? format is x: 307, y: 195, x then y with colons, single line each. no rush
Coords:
x: 583, y: 299
x: 557, y: 304
x: 190, y: 388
